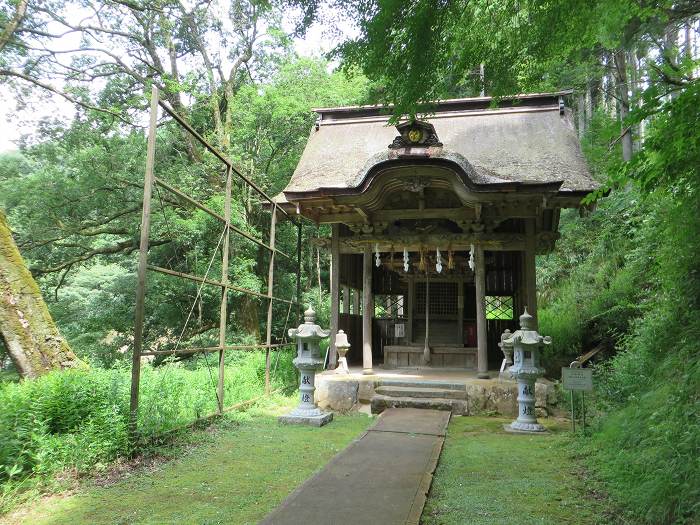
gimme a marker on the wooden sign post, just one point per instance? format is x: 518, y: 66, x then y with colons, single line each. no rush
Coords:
x: 581, y: 379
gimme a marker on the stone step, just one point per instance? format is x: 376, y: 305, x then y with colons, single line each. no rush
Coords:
x: 419, y: 383
x: 381, y: 403
x: 421, y: 392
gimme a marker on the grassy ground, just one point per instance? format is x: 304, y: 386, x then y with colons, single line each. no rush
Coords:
x: 247, y: 469
x: 251, y: 464
x: 487, y: 476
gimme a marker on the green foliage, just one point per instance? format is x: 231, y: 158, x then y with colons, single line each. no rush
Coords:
x: 74, y: 202
x: 628, y: 276
x: 593, y: 285
x: 78, y: 419
x: 237, y: 472
x: 420, y: 50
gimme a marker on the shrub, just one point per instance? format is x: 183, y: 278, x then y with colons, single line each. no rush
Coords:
x: 78, y: 419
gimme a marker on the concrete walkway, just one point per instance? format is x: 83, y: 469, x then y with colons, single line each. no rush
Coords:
x: 382, y: 478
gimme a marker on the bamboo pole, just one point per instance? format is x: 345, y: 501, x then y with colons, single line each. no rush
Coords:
x: 223, y: 313
x: 139, y: 313
x: 270, y: 285
x: 217, y: 348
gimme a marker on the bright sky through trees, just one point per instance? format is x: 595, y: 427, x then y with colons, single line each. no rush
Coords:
x: 318, y: 40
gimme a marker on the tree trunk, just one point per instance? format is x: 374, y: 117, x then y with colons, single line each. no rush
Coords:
x: 28, y: 331
x: 623, y: 93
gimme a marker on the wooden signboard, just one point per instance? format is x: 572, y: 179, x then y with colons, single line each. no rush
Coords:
x: 577, y: 379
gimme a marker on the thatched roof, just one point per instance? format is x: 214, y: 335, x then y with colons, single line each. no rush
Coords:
x: 526, y: 139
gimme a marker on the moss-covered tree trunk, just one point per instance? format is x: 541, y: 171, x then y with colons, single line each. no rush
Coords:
x: 30, y: 335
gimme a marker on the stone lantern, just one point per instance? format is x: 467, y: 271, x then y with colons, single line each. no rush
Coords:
x: 308, y: 360
x: 506, y: 346
x: 526, y: 344
x: 342, y: 346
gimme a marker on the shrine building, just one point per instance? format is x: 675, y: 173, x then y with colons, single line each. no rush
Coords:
x: 436, y: 223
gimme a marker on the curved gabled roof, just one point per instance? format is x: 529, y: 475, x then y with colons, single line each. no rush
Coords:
x: 527, y: 139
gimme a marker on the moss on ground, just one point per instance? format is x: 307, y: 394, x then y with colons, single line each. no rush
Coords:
x: 248, y: 468
x: 487, y: 476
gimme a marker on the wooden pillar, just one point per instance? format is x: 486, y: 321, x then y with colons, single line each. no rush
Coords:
x: 346, y: 299
x: 480, y: 282
x: 367, y: 311
x: 409, y: 309
x: 335, y: 294
x: 530, y: 269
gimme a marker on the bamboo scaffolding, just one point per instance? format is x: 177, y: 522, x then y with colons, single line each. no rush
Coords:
x: 214, y: 282
x: 211, y: 212
x: 150, y: 181
x: 217, y: 153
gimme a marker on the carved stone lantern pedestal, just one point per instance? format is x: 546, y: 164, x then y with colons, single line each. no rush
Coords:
x: 308, y: 361
x: 526, y: 344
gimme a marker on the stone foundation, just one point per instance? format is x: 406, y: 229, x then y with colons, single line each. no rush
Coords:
x: 344, y: 393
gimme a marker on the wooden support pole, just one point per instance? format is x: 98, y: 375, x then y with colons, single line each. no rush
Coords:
x: 355, y: 302
x: 480, y: 282
x: 270, y: 286
x: 143, y: 263
x: 335, y: 293
x: 530, y: 269
x: 223, y: 312
x: 367, y: 311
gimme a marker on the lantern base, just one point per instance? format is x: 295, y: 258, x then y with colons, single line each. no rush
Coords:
x: 525, y: 428
x: 314, y: 418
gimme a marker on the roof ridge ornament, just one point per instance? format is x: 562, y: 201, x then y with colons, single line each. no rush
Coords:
x: 416, y: 133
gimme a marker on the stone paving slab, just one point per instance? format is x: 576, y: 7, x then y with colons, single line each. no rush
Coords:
x: 413, y: 421
x: 381, y: 478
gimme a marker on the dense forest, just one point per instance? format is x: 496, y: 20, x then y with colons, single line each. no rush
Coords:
x: 624, y: 278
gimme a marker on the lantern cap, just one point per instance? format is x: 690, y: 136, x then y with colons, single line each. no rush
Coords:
x: 308, y: 330
x: 310, y: 315
x: 527, y: 322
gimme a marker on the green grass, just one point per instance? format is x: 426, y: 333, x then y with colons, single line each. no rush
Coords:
x: 248, y: 467
x: 487, y: 476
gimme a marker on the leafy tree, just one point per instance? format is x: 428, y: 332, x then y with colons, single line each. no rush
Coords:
x: 76, y: 201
